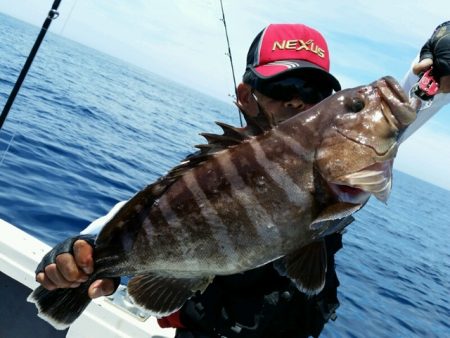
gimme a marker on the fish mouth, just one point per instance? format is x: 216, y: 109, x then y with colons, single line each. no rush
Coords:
x: 357, y: 187
x: 395, y: 103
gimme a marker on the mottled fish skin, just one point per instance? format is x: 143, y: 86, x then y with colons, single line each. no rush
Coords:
x: 252, y: 203
x: 234, y: 210
x: 256, y: 201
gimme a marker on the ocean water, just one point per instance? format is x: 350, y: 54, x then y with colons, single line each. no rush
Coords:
x: 88, y: 130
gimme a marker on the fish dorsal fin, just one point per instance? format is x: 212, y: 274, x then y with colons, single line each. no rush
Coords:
x: 231, y: 136
x: 163, y: 295
x: 307, y: 267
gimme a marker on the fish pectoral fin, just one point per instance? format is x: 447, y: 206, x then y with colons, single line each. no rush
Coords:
x: 306, y: 267
x: 163, y: 295
x: 335, y: 211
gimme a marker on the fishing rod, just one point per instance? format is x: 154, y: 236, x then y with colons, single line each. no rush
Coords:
x: 52, y: 14
x: 230, y: 57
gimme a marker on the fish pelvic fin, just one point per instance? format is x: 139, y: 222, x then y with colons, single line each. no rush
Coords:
x: 306, y: 267
x: 60, y: 307
x: 163, y: 295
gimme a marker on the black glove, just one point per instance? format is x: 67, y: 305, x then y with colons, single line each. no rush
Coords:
x: 66, y: 246
x: 63, y: 247
x: 437, y: 48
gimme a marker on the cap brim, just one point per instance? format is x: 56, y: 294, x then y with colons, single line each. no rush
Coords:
x: 277, y: 69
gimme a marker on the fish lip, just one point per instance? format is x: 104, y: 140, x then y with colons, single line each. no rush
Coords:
x: 375, y: 179
x: 399, y: 112
x: 388, y: 114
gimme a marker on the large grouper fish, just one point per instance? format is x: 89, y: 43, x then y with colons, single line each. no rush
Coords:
x: 243, y: 201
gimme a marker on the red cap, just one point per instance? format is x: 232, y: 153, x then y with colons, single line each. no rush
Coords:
x: 282, y: 48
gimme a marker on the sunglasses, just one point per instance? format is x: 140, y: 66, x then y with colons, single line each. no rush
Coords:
x: 293, y: 87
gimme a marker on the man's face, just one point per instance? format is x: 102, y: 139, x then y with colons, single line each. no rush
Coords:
x: 279, y: 109
x: 283, y: 98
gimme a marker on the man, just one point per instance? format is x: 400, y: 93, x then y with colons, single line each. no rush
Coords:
x: 287, y: 73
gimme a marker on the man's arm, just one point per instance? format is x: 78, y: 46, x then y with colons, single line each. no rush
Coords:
x: 436, y: 53
x: 96, y: 226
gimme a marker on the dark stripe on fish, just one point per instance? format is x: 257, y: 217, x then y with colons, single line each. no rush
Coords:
x: 276, y: 176
x: 163, y: 225
x: 181, y: 208
x: 244, y: 194
x: 230, y: 211
x: 218, y: 229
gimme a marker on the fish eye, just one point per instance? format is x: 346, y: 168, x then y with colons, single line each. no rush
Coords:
x: 355, y: 105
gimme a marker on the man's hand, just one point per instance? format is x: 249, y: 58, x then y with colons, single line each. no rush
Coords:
x: 60, y: 269
x: 436, y: 53
x: 422, y: 66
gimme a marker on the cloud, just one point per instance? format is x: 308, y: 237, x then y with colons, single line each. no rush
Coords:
x: 184, y: 40
x: 426, y: 154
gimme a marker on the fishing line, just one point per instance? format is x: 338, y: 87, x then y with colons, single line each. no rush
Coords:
x: 230, y: 57
x: 69, y: 15
x: 7, y: 148
x: 52, y: 15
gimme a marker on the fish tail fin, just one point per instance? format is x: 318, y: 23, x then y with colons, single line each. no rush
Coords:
x: 60, y: 307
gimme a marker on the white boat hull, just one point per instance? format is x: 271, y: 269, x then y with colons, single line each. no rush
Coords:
x: 19, y: 256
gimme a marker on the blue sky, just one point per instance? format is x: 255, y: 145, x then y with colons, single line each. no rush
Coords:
x: 184, y: 40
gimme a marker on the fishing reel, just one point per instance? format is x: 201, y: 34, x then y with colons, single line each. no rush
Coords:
x: 425, y: 89
x: 427, y: 86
